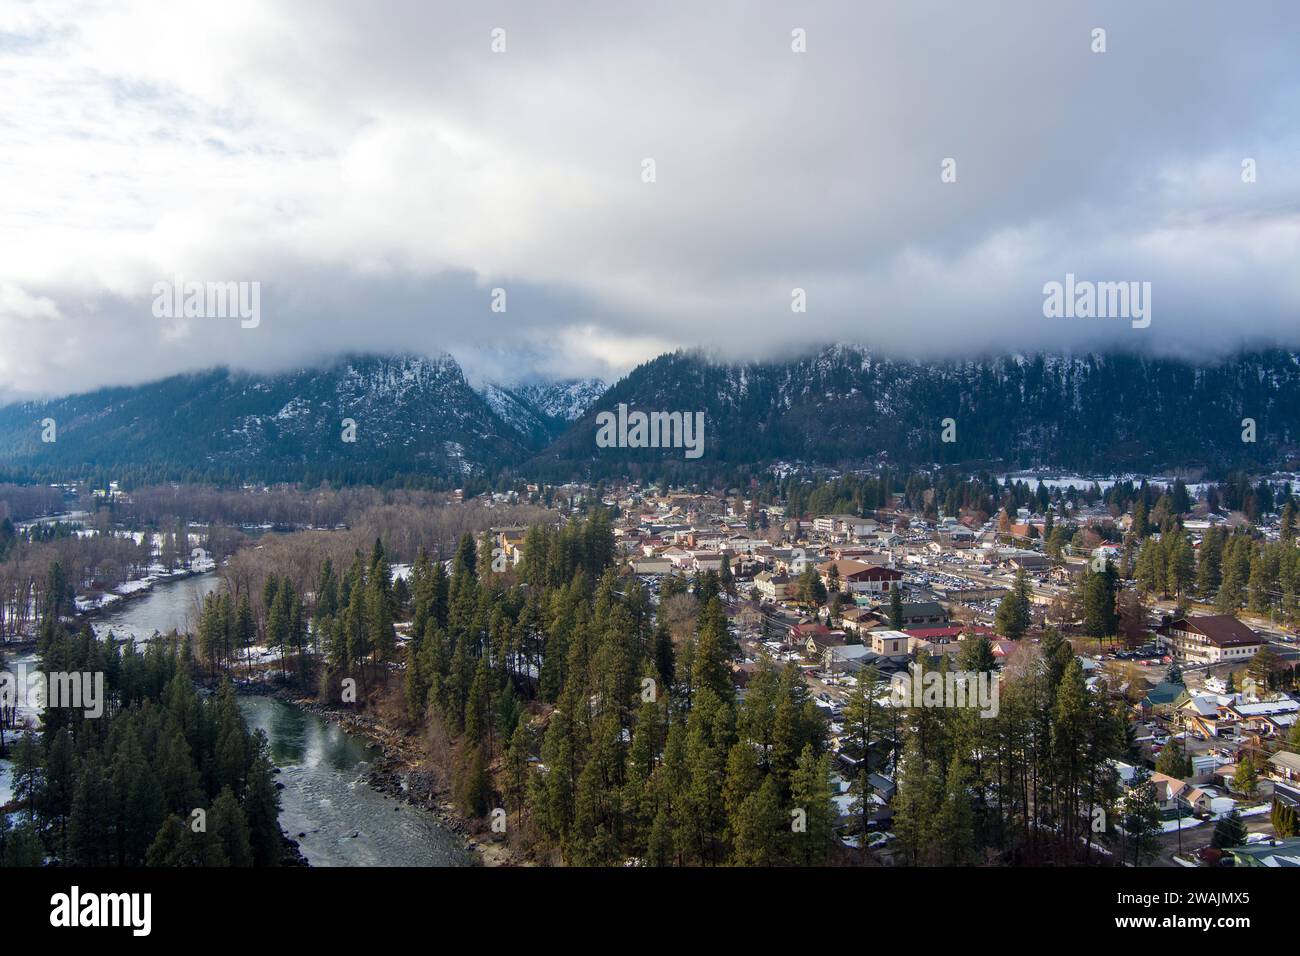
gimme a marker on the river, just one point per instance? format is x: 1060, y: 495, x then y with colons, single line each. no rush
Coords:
x: 323, y: 768
x: 326, y: 804
x: 168, y: 605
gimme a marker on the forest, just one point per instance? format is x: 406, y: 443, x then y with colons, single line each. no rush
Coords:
x: 166, y: 777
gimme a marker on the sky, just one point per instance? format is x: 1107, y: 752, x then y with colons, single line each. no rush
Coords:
x: 380, y: 169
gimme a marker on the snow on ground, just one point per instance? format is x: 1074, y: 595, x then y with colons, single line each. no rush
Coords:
x: 257, y: 654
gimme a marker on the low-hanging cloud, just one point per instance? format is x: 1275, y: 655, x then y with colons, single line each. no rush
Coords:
x: 381, y: 171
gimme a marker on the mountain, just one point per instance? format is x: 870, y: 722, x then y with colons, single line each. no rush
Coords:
x: 417, y: 419
x: 564, y: 401
x: 412, y: 415
x: 540, y: 412
x: 844, y: 406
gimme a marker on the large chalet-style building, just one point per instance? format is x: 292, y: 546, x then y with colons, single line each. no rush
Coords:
x: 858, y: 577
x: 1211, y: 639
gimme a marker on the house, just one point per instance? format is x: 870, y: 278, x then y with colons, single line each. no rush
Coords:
x: 1105, y: 555
x: 951, y: 632
x: 703, y: 562
x: 1161, y: 698
x: 1206, y: 715
x: 847, y: 658
x: 1268, y: 718
x: 817, y: 639
x: 1284, y: 766
x: 652, y: 567
x: 1173, y: 794
x: 511, y: 540
x: 680, y: 558
x: 1209, y: 639
x: 858, y: 620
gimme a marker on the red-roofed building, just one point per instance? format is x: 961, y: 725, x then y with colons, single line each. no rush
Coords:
x: 858, y: 577
x: 950, y: 632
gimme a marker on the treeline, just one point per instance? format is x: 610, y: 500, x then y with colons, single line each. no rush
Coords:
x: 1032, y: 784
x: 164, y: 777
x: 23, y: 502
x: 1232, y: 570
x: 291, y: 506
x: 567, y: 705
x: 405, y: 529
x: 98, y: 562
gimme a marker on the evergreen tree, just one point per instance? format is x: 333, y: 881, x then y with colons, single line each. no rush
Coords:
x: 230, y: 829
x: 1229, y: 831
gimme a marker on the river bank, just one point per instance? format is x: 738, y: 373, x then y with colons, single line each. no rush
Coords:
x: 343, y: 786
x: 137, y: 589
x: 399, y: 771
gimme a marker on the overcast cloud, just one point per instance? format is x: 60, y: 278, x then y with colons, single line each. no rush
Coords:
x: 379, y: 170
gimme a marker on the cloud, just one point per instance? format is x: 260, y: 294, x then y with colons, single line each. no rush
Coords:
x: 380, y: 171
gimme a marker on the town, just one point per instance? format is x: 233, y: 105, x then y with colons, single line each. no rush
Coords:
x: 1207, y: 690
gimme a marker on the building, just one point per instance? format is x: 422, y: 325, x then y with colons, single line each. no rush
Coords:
x: 1285, y: 766
x: 847, y: 525
x: 847, y: 658
x: 858, y: 620
x: 924, y: 614
x: 774, y: 587
x: 958, y: 538
x: 1030, y: 562
x: 1162, y: 698
x: 1267, y: 718
x: 858, y: 577
x: 1267, y: 853
x: 1210, y: 639
x: 951, y: 632
x: 889, y: 643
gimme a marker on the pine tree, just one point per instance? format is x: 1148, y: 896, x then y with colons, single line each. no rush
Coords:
x: 1246, y: 779
x: 810, y: 792
x: 916, y: 804
x: 759, y: 827
x: 180, y: 845
x: 1229, y: 831
x: 261, y: 805
x: 1142, y: 816
x: 659, y: 848
x: 230, y: 829
x: 956, y: 818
